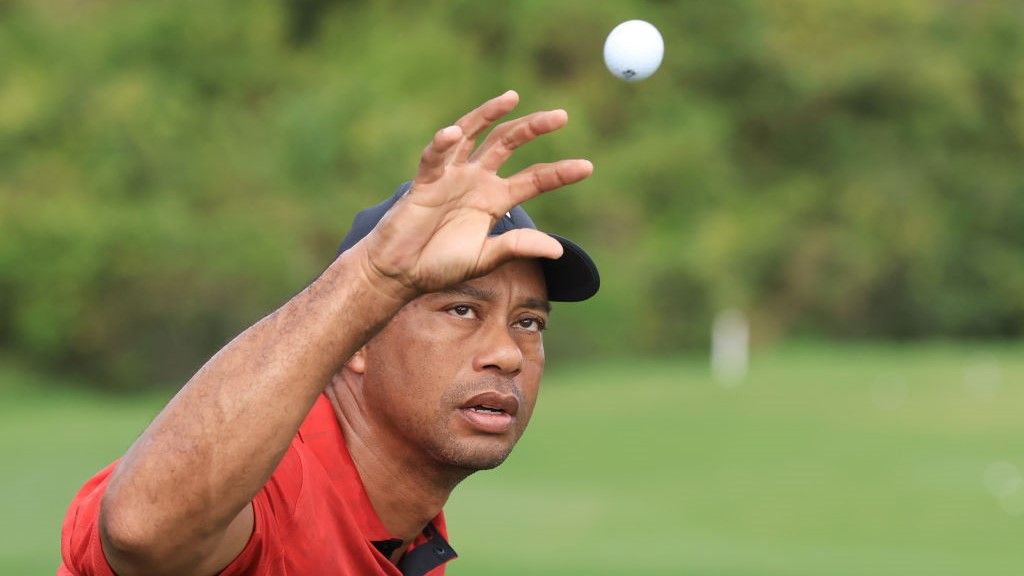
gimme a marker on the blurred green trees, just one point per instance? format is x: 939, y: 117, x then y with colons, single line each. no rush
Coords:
x: 169, y: 172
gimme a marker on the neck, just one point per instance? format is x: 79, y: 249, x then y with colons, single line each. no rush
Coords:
x: 406, y: 489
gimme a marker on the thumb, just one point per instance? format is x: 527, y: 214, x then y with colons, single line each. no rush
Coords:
x: 520, y: 243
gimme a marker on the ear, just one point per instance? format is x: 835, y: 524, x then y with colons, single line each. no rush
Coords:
x: 357, y: 363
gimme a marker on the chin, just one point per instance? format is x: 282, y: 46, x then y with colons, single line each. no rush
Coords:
x: 486, y: 462
x: 473, y: 456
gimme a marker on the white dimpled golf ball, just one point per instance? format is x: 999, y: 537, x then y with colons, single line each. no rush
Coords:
x: 633, y: 50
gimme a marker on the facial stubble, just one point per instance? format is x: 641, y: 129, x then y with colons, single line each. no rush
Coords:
x: 480, y: 451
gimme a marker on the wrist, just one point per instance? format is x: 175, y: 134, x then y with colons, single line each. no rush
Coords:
x: 372, y: 280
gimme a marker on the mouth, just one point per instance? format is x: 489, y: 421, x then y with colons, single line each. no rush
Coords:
x: 490, y: 412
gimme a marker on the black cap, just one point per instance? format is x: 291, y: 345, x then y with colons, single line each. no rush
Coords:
x: 571, y: 278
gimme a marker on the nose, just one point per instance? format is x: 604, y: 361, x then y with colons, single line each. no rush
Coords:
x: 498, y: 351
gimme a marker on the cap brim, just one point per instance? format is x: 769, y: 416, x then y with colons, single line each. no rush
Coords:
x: 573, y: 277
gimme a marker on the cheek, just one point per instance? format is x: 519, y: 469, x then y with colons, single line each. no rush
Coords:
x: 533, y: 357
x: 409, y: 371
x: 530, y: 378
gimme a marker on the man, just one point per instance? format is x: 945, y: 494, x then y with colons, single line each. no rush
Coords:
x: 326, y: 438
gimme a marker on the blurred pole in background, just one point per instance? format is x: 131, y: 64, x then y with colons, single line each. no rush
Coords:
x: 730, y: 347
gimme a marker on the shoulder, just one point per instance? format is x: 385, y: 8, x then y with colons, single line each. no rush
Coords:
x: 275, y: 511
x: 80, y: 548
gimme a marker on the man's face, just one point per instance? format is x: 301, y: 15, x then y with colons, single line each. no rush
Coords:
x: 455, y: 375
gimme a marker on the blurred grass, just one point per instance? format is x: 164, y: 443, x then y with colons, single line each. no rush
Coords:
x: 53, y: 437
x: 827, y: 460
x: 813, y: 466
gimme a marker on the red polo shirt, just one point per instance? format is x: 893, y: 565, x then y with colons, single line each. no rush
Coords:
x: 312, y: 517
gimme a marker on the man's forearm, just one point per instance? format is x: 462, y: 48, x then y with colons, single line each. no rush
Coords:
x: 215, y: 444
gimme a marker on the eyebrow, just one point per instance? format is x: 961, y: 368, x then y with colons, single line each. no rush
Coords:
x: 478, y: 293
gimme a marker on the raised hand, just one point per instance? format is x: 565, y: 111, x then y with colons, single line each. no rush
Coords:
x: 437, y: 235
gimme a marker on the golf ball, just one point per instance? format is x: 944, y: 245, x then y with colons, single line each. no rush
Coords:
x: 633, y: 50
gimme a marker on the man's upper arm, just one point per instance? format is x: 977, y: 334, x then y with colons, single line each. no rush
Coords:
x: 219, y: 555
x: 84, y: 554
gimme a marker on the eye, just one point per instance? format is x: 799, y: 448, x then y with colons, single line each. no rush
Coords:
x: 530, y: 324
x: 462, y: 311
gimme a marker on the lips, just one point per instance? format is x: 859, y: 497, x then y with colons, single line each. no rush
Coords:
x: 493, y: 402
x: 491, y: 412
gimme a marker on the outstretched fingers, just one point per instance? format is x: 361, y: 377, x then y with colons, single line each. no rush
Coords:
x: 540, y: 178
x: 481, y: 118
x: 508, y: 136
x: 518, y: 243
x: 436, y: 155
